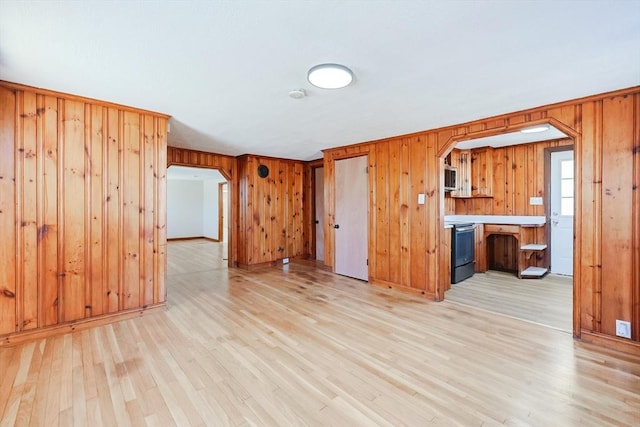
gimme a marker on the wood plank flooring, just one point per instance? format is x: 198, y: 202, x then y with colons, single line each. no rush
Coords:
x: 302, y: 346
x: 548, y: 301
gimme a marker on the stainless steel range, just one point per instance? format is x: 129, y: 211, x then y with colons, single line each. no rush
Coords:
x: 462, y: 251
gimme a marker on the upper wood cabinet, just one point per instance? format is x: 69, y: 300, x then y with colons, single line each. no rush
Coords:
x: 482, y: 172
x: 461, y: 159
x: 475, y: 172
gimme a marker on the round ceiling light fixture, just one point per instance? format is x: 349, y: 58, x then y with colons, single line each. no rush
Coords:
x: 330, y: 76
x: 535, y: 129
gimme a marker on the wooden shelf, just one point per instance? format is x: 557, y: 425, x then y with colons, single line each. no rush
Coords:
x: 533, y: 247
x: 534, y: 272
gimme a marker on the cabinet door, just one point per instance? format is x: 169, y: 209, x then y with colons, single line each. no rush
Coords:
x: 482, y: 172
x: 461, y: 159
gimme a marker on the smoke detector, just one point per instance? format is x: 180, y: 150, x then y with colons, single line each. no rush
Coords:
x: 297, y: 94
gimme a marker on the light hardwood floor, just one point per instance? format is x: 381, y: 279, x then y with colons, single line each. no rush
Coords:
x: 302, y: 346
x: 548, y: 301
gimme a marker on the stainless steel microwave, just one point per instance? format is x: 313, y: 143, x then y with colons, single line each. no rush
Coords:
x: 450, y: 178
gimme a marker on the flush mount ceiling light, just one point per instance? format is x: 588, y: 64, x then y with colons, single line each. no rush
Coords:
x: 330, y: 76
x: 535, y: 129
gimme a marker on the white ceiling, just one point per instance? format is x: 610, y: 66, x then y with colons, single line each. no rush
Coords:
x: 223, y: 69
x: 512, y: 138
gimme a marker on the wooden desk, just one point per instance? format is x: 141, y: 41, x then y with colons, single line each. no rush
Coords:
x: 525, y: 236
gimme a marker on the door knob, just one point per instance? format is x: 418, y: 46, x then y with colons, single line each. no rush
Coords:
x: 336, y: 226
x: 317, y: 222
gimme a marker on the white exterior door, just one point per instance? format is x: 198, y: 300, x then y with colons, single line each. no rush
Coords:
x: 562, y: 208
x: 319, y: 198
x: 352, y: 218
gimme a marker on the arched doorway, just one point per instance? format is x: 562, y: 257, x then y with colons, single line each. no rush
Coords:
x: 197, y: 242
x: 527, y: 174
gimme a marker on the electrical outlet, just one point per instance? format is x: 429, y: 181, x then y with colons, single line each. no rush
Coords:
x: 535, y: 201
x: 285, y: 260
x: 421, y: 199
x: 623, y: 329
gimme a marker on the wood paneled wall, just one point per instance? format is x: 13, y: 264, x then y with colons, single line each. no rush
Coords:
x: 270, y: 216
x: 406, y: 244
x: 227, y: 165
x: 401, y: 236
x: 82, y: 209
x: 272, y: 210
x: 518, y: 174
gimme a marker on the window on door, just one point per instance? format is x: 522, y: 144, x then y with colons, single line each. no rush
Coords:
x: 566, y: 187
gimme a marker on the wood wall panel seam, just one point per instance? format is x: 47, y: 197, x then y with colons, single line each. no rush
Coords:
x: 61, y: 211
x: 105, y: 210
x: 121, y: 211
x: 141, y: 210
x: 88, y: 198
x: 40, y: 254
x: 596, y: 207
x: 635, y: 315
x: 19, y: 197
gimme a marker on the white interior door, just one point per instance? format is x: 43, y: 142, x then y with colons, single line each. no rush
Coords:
x: 562, y: 208
x: 352, y: 218
x: 319, y: 198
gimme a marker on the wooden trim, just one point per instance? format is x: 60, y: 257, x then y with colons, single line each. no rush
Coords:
x: 78, y: 325
x: 311, y: 206
x: 227, y: 166
x: 317, y: 163
x: 635, y: 315
x: 261, y: 157
x: 88, y: 100
x: 202, y: 159
x: 506, y: 128
x: 220, y: 169
x: 221, y: 213
x: 608, y: 341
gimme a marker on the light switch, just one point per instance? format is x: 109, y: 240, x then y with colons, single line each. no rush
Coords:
x: 535, y: 200
x: 421, y: 199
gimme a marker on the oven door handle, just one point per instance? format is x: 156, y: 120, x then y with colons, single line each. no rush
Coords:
x: 465, y: 228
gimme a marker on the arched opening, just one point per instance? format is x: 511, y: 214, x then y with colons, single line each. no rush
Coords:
x: 508, y: 173
x: 198, y: 226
